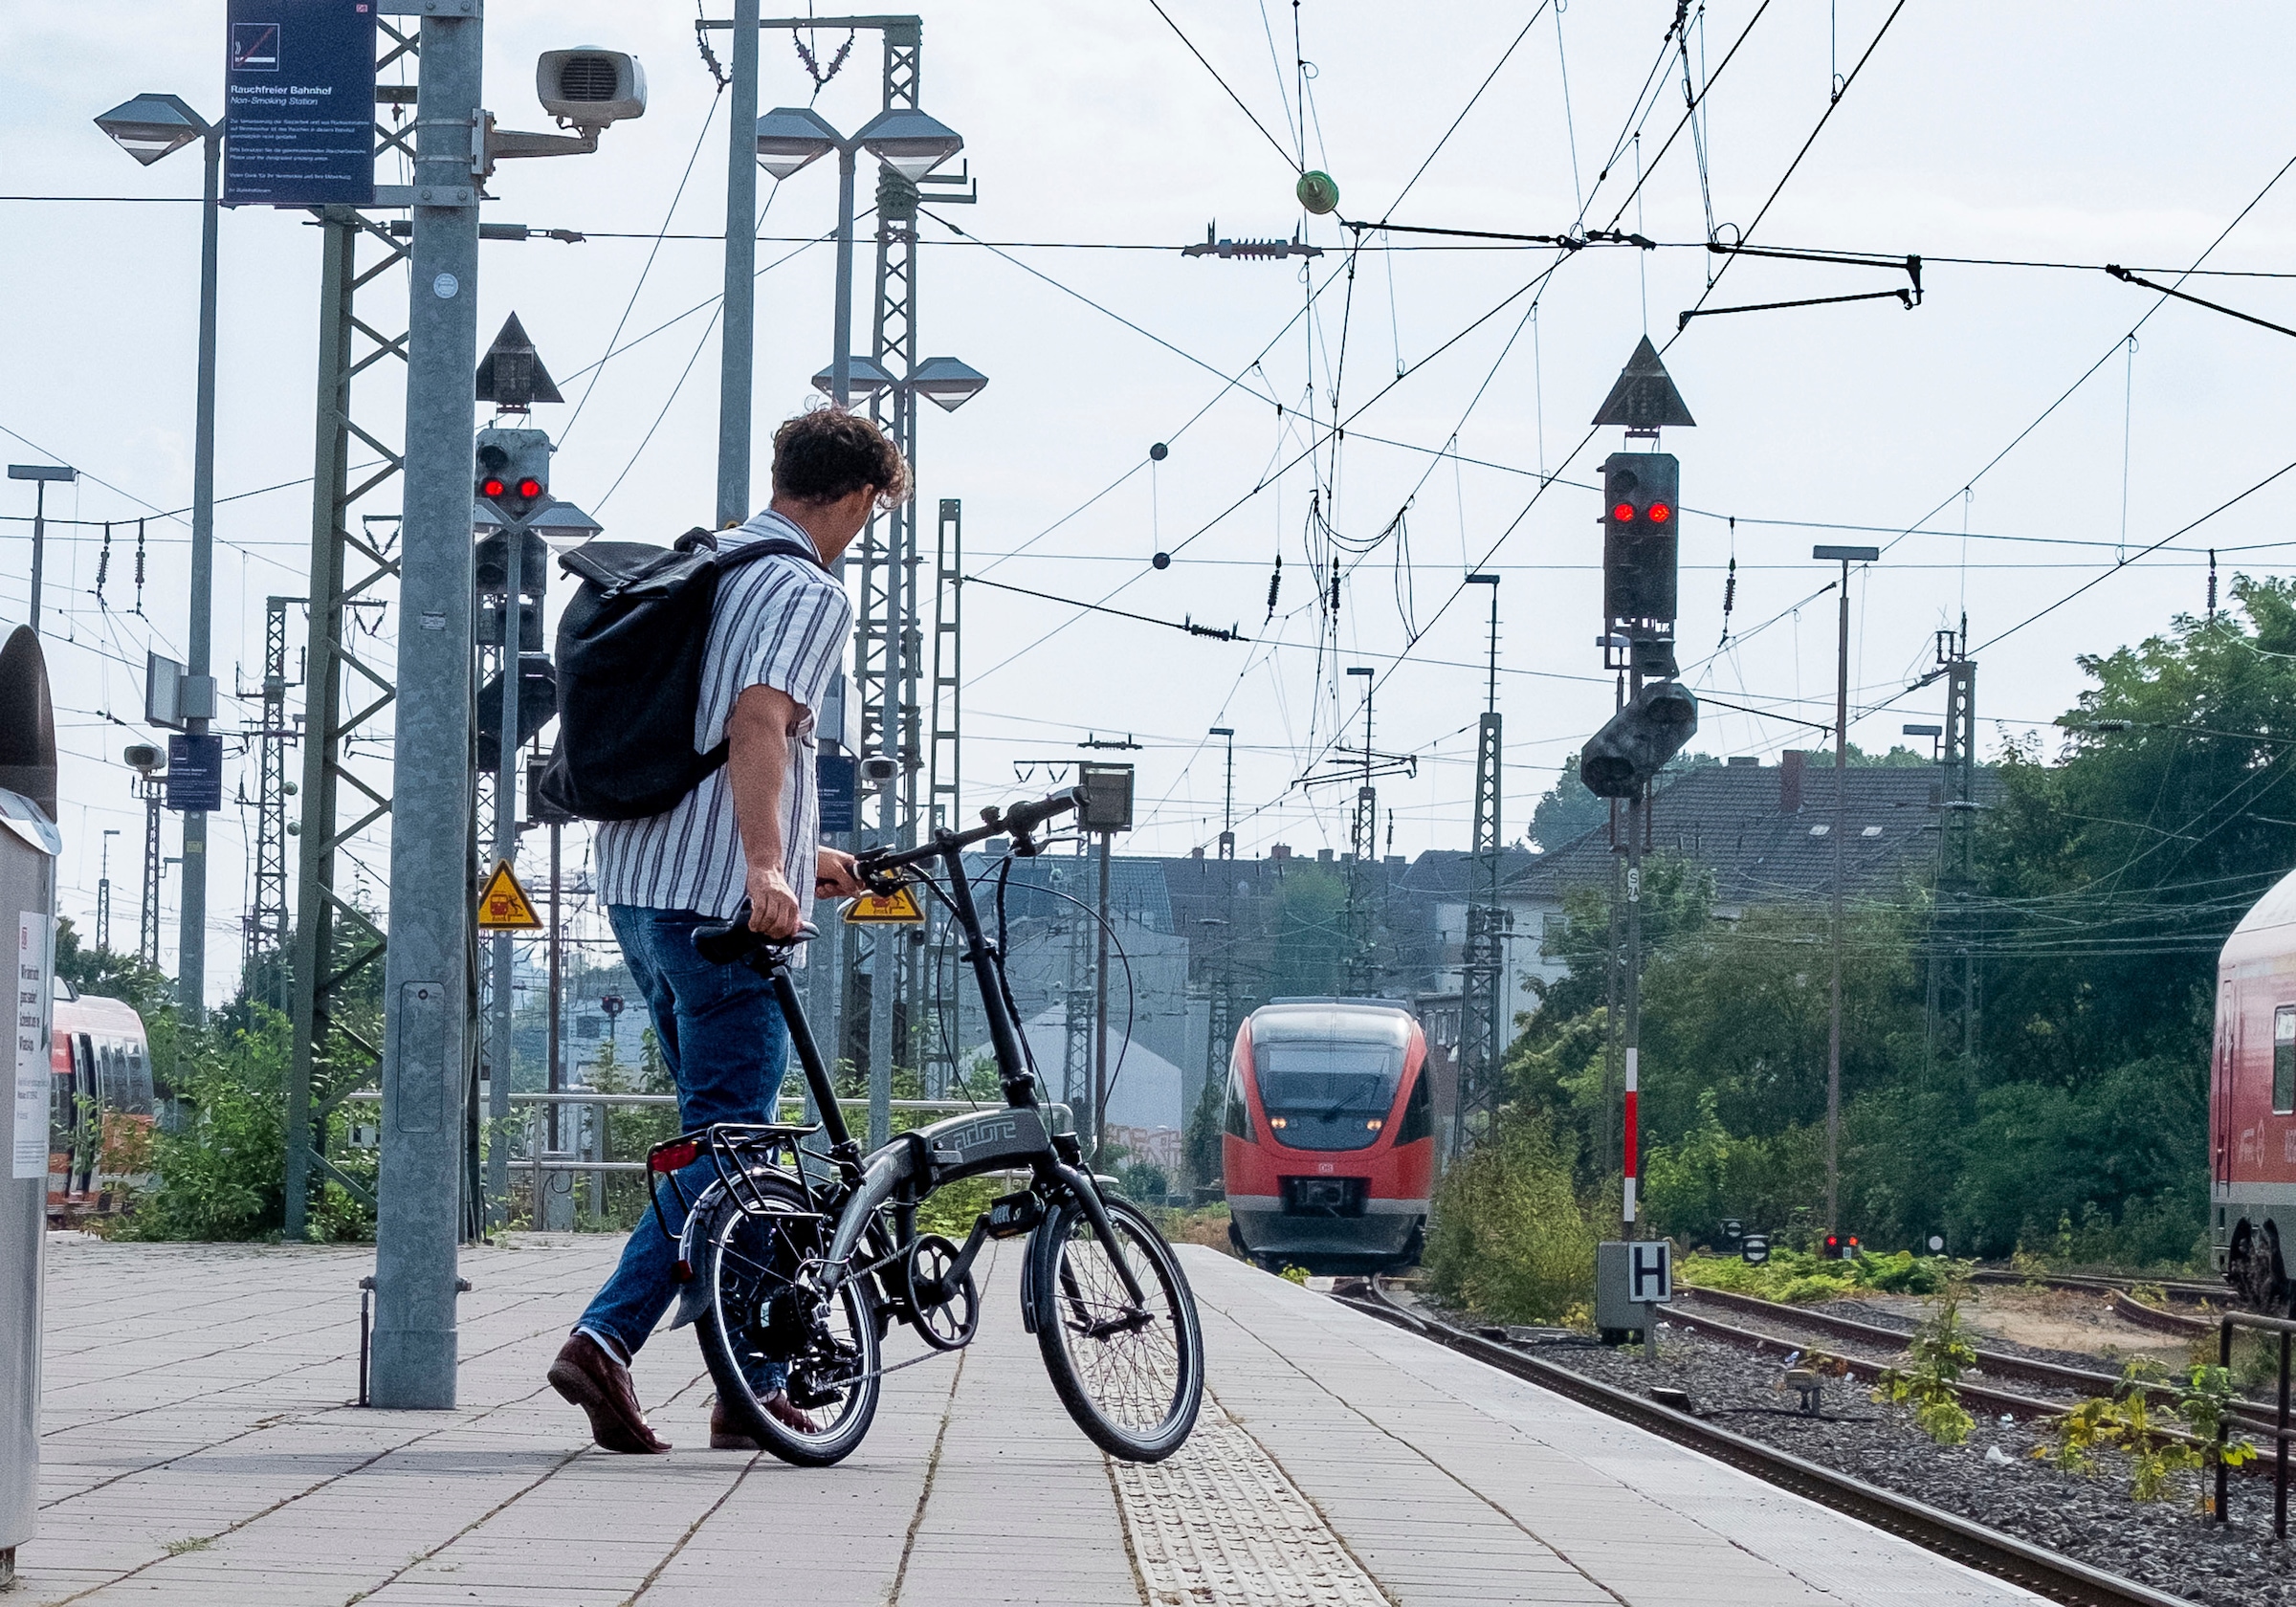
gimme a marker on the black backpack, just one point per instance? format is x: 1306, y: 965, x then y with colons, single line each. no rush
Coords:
x: 630, y: 652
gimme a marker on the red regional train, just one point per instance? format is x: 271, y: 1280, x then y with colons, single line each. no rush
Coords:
x: 1329, y: 1149
x: 99, y: 1105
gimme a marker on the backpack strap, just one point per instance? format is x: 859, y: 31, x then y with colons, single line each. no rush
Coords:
x: 768, y: 546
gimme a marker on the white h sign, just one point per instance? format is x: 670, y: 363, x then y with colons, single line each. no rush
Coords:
x: 1650, y: 1271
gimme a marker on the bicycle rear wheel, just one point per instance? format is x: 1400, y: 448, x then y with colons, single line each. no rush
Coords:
x: 1131, y: 1378
x: 765, y: 1310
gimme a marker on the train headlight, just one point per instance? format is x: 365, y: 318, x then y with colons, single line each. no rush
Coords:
x: 1279, y: 1123
x: 1374, y: 1125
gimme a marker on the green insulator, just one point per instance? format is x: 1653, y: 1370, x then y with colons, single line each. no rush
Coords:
x: 1317, y: 192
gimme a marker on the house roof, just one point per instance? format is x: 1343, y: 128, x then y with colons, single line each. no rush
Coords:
x: 1766, y: 831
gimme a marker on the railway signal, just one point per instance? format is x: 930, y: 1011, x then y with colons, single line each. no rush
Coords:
x: 1627, y: 755
x: 1840, y: 1247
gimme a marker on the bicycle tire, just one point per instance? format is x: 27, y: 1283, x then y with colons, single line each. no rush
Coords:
x: 1136, y: 1391
x: 748, y: 1259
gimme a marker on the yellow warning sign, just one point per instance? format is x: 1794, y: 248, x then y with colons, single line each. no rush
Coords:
x: 503, y: 905
x: 899, y: 907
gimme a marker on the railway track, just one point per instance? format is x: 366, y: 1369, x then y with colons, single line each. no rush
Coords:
x: 2046, y: 1574
x: 2186, y: 1291
x: 1997, y: 1364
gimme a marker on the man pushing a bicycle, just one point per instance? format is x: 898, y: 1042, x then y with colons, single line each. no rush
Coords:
x: 777, y: 629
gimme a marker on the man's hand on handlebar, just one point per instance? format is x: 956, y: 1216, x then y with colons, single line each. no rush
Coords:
x: 833, y: 875
x: 772, y: 905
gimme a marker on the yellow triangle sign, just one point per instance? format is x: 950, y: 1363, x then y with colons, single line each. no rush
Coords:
x: 897, y: 907
x: 503, y: 905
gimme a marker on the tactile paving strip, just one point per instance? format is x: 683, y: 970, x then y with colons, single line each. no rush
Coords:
x: 1217, y: 1523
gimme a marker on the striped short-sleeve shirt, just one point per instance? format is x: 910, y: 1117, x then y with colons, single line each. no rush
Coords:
x: 779, y: 622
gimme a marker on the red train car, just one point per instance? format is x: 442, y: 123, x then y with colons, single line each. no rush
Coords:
x: 1329, y: 1150
x: 100, y: 1107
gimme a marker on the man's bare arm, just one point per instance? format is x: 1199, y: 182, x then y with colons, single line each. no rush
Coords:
x: 757, y: 768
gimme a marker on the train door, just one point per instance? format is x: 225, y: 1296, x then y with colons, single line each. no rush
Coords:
x: 2221, y: 1091
x: 88, y: 1134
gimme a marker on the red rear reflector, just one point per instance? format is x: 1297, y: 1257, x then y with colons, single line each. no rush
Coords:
x: 1659, y: 513
x: 683, y: 1272
x: 675, y: 1157
x: 1624, y: 512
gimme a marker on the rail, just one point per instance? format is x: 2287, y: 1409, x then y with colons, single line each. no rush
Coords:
x: 1989, y: 1551
x: 2287, y: 1330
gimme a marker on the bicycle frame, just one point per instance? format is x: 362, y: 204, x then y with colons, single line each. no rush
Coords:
x: 900, y: 1174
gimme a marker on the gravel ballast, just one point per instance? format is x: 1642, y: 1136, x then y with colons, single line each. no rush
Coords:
x: 1993, y: 1479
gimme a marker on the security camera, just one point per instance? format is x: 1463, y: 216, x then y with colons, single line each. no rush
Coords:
x: 589, y: 87
x: 142, y: 757
x: 878, y: 769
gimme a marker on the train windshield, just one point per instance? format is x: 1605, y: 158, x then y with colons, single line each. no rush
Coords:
x: 1327, y: 1095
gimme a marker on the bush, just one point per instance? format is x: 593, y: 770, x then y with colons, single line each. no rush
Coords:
x: 1797, y: 1277
x: 1692, y: 1185
x: 221, y: 1172
x: 1509, y: 1237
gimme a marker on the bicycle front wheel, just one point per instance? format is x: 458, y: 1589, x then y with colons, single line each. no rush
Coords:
x: 1132, y: 1376
x: 768, y: 1321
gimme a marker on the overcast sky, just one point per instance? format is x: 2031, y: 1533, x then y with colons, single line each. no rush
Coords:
x: 2059, y: 134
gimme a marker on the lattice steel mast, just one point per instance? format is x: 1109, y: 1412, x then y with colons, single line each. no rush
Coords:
x: 1482, y: 1022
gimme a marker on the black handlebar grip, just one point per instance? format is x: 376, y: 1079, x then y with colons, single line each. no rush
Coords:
x: 1022, y: 819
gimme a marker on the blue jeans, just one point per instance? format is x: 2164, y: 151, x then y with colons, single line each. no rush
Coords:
x: 727, y: 1047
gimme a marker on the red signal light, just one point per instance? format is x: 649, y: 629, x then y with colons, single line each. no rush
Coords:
x: 1624, y: 512
x: 530, y: 488
x: 489, y: 487
x: 1659, y: 513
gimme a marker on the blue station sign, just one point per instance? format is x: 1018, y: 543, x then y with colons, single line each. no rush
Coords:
x: 835, y: 777
x: 300, y: 103
x: 195, y: 773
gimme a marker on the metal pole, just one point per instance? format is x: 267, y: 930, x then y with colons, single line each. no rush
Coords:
x: 1100, y: 1016
x: 40, y: 546
x: 1833, y: 1042
x: 841, y: 359
x: 738, y: 349
x: 425, y: 1053
x: 191, y: 928
x: 506, y: 849
x: 1630, y: 1036
x: 556, y: 1049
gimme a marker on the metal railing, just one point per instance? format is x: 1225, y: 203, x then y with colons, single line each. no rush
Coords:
x: 2280, y: 1432
x: 541, y: 1159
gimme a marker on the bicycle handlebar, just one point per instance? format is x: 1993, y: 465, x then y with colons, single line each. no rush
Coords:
x: 725, y: 942
x: 1019, y: 822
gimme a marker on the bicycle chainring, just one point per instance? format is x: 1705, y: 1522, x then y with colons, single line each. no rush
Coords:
x: 944, y: 1310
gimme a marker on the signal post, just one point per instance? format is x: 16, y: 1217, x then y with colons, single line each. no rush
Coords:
x: 1640, y: 519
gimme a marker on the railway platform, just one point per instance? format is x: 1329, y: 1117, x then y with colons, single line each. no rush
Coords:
x: 202, y: 1445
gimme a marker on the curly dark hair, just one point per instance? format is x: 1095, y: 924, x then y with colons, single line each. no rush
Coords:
x: 827, y: 453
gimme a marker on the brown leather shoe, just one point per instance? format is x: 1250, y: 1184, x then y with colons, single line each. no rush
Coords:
x: 785, y: 1411
x: 724, y: 1436
x: 586, y: 1376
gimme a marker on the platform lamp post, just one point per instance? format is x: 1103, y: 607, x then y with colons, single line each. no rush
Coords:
x: 793, y: 137
x: 1846, y: 557
x: 149, y: 127
x: 41, y: 474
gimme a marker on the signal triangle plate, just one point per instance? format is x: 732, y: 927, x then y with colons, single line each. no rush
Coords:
x: 503, y: 905
x: 899, y: 907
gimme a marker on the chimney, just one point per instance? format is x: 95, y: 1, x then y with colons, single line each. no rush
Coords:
x: 1789, y: 780
x: 1280, y: 851
x: 1196, y: 852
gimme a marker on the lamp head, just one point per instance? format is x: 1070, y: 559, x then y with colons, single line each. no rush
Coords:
x: 793, y: 137
x: 909, y: 141
x: 151, y: 126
